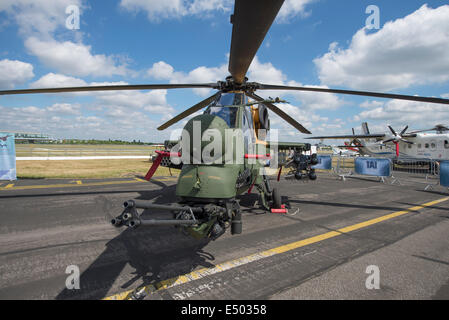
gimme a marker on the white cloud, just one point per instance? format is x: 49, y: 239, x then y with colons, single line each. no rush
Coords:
x: 203, y: 6
x: 400, y: 113
x: 64, y: 108
x: 73, y: 58
x: 39, y: 18
x: 164, y: 71
x: 161, y: 71
x: 265, y: 73
x: 14, y: 72
x: 52, y: 80
x: 316, y: 100
x: 371, y: 104
x: 405, y: 52
x: 157, y: 10
x: 293, y: 8
x: 307, y: 118
x: 154, y: 101
x: 38, y: 21
x: 63, y: 121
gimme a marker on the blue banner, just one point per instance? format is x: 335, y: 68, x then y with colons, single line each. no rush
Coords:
x: 324, y: 163
x: 7, y: 157
x: 373, y: 167
x: 444, y: 173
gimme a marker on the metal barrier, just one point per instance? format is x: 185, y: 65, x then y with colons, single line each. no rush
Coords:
x: 417, y: 170
x: 370, y: 167
x: 343, y: 166
x: 335, y: 165
x: 444, y: 173
x: 429, y: 172
x: 324, y: 163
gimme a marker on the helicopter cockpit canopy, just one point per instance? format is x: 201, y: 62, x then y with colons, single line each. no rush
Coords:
x: 228, y: 114
x: 232, y: 99
x: 222, y: 107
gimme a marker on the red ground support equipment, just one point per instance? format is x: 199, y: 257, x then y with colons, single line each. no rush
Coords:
x: 282, y: 210
x: 157, y: 162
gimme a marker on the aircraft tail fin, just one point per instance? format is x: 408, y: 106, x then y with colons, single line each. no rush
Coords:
x: 365, y: 128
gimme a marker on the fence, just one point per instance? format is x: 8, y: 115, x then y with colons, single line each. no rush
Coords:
x: 429, y: 172
x: 415, y: 170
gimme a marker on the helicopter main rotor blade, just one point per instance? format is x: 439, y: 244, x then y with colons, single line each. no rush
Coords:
x: 111, y: 88
x: 280, y: 113
x: 357, y: 93
x: 251, y: 21
x: 439, y: 127
x: 189, y: 111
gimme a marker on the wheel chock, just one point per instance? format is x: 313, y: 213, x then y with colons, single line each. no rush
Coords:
x: 282, y: 210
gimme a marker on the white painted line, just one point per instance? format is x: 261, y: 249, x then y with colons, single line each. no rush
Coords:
x: 83, y: 158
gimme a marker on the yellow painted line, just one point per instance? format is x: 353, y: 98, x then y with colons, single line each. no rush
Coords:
x: 164, y: 179
x: 78, y: 184
x: 201, y: 273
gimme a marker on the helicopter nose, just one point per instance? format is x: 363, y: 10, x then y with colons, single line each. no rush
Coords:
x: 200, y: 132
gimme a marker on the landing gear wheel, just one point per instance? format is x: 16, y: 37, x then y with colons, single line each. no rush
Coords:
x: 276, y: 196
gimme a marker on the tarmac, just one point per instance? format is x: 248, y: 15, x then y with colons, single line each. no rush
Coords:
x: 327, y: 246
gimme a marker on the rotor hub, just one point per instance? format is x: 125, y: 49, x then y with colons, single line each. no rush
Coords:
x: 231, y: 85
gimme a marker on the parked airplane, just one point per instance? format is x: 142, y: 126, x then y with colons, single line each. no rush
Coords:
x: 419, y: 144
x: 345, y: 151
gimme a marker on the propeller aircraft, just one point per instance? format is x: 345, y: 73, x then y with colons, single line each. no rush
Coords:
x: 408, y: 145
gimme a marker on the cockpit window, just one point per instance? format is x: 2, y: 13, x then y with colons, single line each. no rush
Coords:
x: 228, y: 114
x: 232, y: 99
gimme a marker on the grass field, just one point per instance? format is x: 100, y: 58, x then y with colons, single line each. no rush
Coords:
x: 78, y: 150
x: 87, y: 169
x: 84, y: 169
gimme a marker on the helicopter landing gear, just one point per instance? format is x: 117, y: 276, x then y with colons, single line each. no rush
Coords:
x: 276, y: 199
x: 270, y: 198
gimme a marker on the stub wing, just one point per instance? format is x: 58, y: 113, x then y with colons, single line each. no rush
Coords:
x: 290, y: 145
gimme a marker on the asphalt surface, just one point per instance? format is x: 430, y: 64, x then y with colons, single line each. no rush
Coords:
x: 48, y: 225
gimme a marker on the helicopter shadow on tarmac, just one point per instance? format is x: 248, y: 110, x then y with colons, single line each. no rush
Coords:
x: 155, y: 254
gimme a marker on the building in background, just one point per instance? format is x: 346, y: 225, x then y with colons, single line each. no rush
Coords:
x: 30, y: 137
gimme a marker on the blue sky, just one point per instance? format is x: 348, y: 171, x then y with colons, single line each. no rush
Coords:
x: 312, y: 42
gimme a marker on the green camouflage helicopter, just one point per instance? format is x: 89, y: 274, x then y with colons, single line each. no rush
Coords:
x: 208, y: 190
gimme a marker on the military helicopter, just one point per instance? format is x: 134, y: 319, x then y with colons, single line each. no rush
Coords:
x: 208, y: 192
